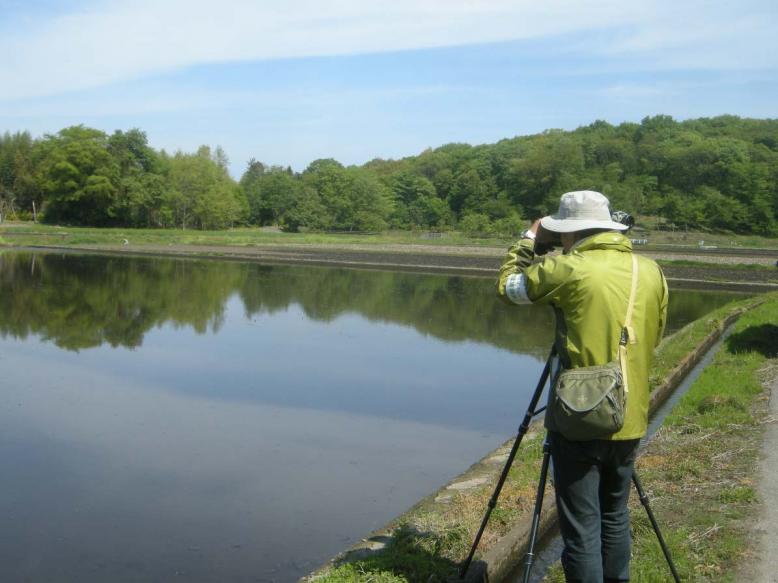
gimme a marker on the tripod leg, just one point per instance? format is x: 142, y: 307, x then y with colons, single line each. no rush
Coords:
x: 531, y: 412
x: 644, y: 501
x: 530, y: 557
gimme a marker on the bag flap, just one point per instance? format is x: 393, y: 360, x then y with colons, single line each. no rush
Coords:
x: 582, y: 389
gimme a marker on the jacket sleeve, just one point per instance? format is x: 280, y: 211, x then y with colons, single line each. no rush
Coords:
x: 517, y: 259
x: 537, y: 282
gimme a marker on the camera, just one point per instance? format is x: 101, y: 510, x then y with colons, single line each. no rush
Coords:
x: 624, y: 218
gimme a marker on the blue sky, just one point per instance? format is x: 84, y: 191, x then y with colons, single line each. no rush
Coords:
x: 290, y: 82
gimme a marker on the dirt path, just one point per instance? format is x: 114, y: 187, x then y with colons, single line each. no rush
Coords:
x: 767, y: 527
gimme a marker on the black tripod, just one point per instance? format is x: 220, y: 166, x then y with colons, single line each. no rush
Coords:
x: 532, y: 411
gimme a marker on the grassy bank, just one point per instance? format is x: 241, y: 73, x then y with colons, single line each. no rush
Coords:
x: 700, y: 468
x: 431, y: 539
x: 31, y: 234
x: 37, y: 234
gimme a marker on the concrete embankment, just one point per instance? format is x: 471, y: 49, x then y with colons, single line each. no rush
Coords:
x: 503, y: 554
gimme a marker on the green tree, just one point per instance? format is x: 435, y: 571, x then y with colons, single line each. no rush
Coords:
x: 302, y: 208
x: 551, y: 167
x: 685, y: 172
x: 202, y: 194
x: 79, y: 177
x: 353, y: 199
x: 17, y: 181
x: 369, y: 202
x: 140, y: 191
x: 250, y: 182
x: 270, y: 192
x: 475, y: 224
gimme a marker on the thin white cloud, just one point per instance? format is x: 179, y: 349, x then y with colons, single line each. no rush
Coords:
x: 633, y: 90
x: 727, y: 37
x: 154, y: 99
x: 108, y: 42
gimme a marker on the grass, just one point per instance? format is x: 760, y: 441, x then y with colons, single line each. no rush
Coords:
x: 647, y: 229
x: 410, y: 556
x: 674, y: 348
x: 32, y: 233
x: 700, y: 468
x: 728, y: 266
x: 714, y: 239
x: 434, y: 538
x: 29, y: 234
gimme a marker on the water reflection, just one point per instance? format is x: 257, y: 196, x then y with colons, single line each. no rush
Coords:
x: 84, y: 301
x: 114, y: 479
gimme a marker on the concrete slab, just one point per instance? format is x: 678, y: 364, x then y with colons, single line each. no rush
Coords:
x: 469, y: 484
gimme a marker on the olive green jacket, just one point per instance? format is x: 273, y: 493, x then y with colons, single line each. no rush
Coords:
x: 588, y: 287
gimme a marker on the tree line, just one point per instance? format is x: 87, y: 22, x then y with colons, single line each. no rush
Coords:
x: 717, y: 174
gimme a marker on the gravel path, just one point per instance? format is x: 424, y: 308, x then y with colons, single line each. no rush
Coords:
x: 767, y: 527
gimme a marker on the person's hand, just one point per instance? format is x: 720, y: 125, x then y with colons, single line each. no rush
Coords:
x: 545, y: 240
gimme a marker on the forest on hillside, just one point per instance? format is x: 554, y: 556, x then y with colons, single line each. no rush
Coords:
x: 715, y: 174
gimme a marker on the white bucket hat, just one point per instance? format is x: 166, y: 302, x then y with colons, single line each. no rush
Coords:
x: 581, y: 210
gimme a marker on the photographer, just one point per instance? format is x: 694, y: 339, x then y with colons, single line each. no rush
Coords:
x: 610, y: 309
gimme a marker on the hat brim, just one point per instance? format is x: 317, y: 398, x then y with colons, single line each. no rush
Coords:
x: 573, y: 225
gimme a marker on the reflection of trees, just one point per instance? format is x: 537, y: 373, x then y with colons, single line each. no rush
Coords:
x: 688, y: 305
x: 81, y: 301
x: 447, y: 307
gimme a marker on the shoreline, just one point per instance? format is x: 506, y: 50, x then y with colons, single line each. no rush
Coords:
x: 443, y: 260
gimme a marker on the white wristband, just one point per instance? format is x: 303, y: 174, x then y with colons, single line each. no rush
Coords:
x: 516, y: 289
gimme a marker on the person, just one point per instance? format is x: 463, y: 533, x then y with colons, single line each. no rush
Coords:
x: 589, y: 287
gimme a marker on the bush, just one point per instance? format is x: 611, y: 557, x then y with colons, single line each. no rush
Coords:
x: 476, y: 225
x: 511, y: 226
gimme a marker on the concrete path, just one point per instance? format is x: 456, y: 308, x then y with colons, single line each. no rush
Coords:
x: 768, y: 490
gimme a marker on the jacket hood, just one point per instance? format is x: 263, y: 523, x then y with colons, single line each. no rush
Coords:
x: 609, y: 240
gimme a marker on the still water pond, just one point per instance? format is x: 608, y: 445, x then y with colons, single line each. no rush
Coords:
x: 166, y: 419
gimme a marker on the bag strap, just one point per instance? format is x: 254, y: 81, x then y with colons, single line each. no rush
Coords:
x: 628, y: 333
x: 631, y: 338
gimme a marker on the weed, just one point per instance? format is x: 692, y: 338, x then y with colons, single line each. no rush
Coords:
x: 411, y: 556
x: 711, y: 403
x: 738, y: 495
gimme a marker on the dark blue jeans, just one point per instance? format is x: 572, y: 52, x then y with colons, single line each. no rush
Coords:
x: 592, y: 481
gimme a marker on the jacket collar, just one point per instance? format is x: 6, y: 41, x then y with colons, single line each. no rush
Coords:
x: 609, y: 240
